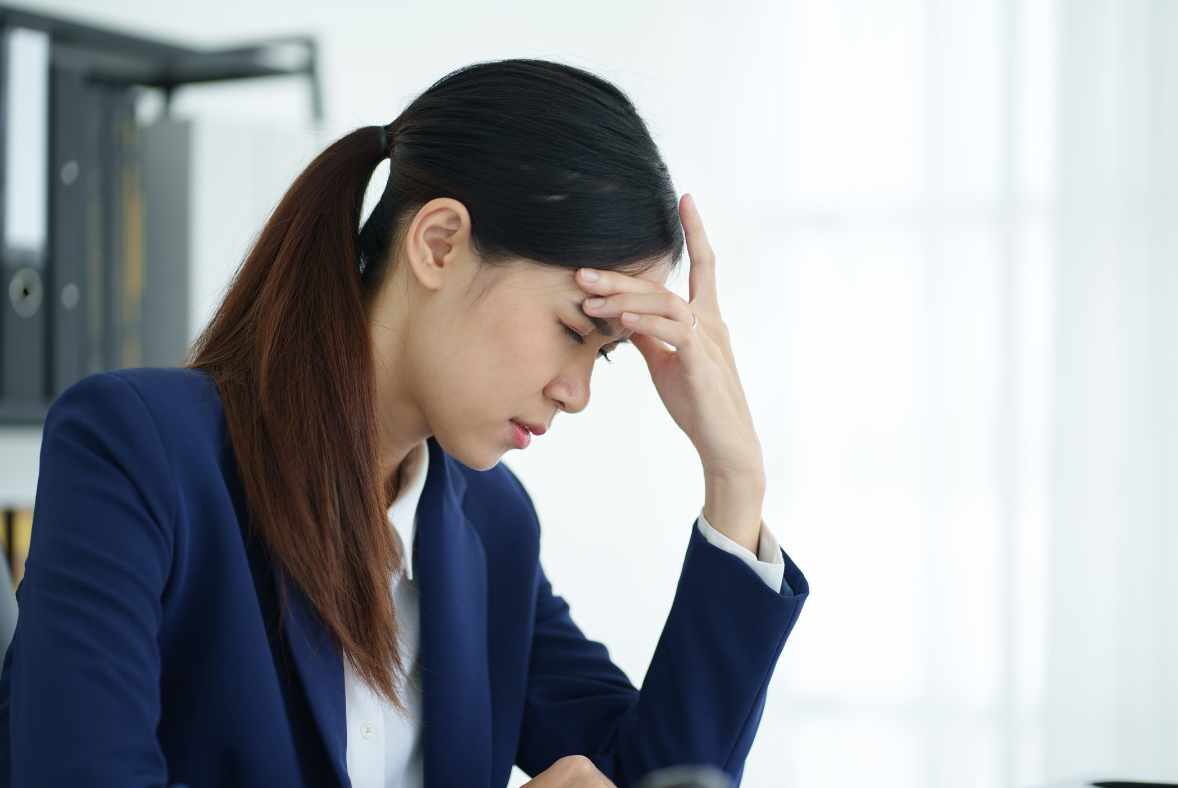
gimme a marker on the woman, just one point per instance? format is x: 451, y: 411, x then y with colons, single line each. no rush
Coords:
x: 214, y: 593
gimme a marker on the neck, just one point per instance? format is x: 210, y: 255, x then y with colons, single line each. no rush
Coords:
x: 396, y: 479
x: 400, y: 425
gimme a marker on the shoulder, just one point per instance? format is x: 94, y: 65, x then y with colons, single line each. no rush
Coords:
x: 102, y: 432
x: 156, y: 388
x: 170, y: 388
x: 174, y: 410
x: 165, y: 394
x: 138, y: 393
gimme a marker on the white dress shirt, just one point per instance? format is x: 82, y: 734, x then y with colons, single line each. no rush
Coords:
x: 384, y: 746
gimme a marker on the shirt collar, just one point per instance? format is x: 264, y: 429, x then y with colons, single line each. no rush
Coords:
x: 403, y: 512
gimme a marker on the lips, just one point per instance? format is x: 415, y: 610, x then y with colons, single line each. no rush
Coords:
x: 520, y: 435
x: 535, y: 429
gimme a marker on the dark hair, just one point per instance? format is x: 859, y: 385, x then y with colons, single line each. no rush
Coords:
x: 554, y: 166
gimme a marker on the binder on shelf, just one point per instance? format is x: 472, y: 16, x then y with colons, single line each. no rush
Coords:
x: 75, y: 281
x: 87, y: 281
x: 124, y: 250
x: 24, y: 123
x: 98, y: 266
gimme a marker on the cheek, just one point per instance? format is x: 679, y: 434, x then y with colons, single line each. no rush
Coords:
x: 523, y: 337
x: 498, y: 357
x: 508, y: 349
x: 528, y: 357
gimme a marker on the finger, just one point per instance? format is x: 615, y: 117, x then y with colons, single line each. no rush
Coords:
x: 614, y: 282
x: 676, y: 333
x: 702, y: 278
x: 666, y: 304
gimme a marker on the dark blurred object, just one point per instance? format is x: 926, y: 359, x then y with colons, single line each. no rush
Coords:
x: 80, y: 293
x: 1123, y: 784
x: 686, y: 777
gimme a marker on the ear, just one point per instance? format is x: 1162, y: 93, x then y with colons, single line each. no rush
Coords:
x: 437, y: 243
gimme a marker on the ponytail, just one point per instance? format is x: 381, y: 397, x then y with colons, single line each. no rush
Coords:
x: 290, y: 352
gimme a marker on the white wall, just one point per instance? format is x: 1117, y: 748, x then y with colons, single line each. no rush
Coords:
x: 880, y: 183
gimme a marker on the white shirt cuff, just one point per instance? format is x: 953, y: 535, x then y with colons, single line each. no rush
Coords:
x: 767, y: 563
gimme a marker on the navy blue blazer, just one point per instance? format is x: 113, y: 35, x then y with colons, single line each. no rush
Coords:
x: 146, y: 651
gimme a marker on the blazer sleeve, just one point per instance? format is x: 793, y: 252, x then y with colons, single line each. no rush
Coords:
x: 704, y: 691
x: 84, y: 665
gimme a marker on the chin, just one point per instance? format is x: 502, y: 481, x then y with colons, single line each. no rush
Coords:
x: 477, y: 458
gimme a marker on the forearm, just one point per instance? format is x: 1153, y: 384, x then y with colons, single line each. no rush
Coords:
x: 702, y: 694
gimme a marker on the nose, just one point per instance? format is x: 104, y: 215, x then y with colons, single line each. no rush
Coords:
x: 571, y: 393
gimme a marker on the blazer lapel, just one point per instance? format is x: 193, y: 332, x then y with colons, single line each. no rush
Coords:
x: 319, y: 662
x: 450, y: 566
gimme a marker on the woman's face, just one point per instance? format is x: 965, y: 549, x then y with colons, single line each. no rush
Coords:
x: 479, y: 346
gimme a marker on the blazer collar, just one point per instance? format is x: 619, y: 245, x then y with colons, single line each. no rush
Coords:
x: 456, y: 687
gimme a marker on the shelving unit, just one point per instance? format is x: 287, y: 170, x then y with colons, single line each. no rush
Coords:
x: 77, y: 233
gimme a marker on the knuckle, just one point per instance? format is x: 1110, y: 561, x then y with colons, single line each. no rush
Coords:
x: 576, y: 765
x: 584, y: 767
x: 579, y: 770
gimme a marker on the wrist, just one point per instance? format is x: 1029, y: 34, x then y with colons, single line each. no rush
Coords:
x: 734, y: 508
x: 746, y: 471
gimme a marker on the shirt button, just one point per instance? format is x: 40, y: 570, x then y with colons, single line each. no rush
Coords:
x: 367, y: 729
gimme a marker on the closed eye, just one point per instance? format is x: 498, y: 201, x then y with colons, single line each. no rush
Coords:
x: 580, y: 340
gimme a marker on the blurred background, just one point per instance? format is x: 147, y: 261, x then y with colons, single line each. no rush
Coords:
x: 947, y: 243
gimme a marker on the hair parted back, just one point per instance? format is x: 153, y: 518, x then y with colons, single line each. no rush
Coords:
x: 554, y: 166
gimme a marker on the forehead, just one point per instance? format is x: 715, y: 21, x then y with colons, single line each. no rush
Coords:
x: 563, y: 280
x: 658, y: 274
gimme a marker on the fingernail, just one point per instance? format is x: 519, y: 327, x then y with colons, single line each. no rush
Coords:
x: 589, y: 275
x: 593, y: 303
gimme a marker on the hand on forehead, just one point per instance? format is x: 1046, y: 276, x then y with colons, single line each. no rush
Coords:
x: 592, y: 282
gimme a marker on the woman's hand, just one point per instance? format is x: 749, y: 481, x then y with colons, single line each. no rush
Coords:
x: 571, y: 771
x: 697, y: 381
